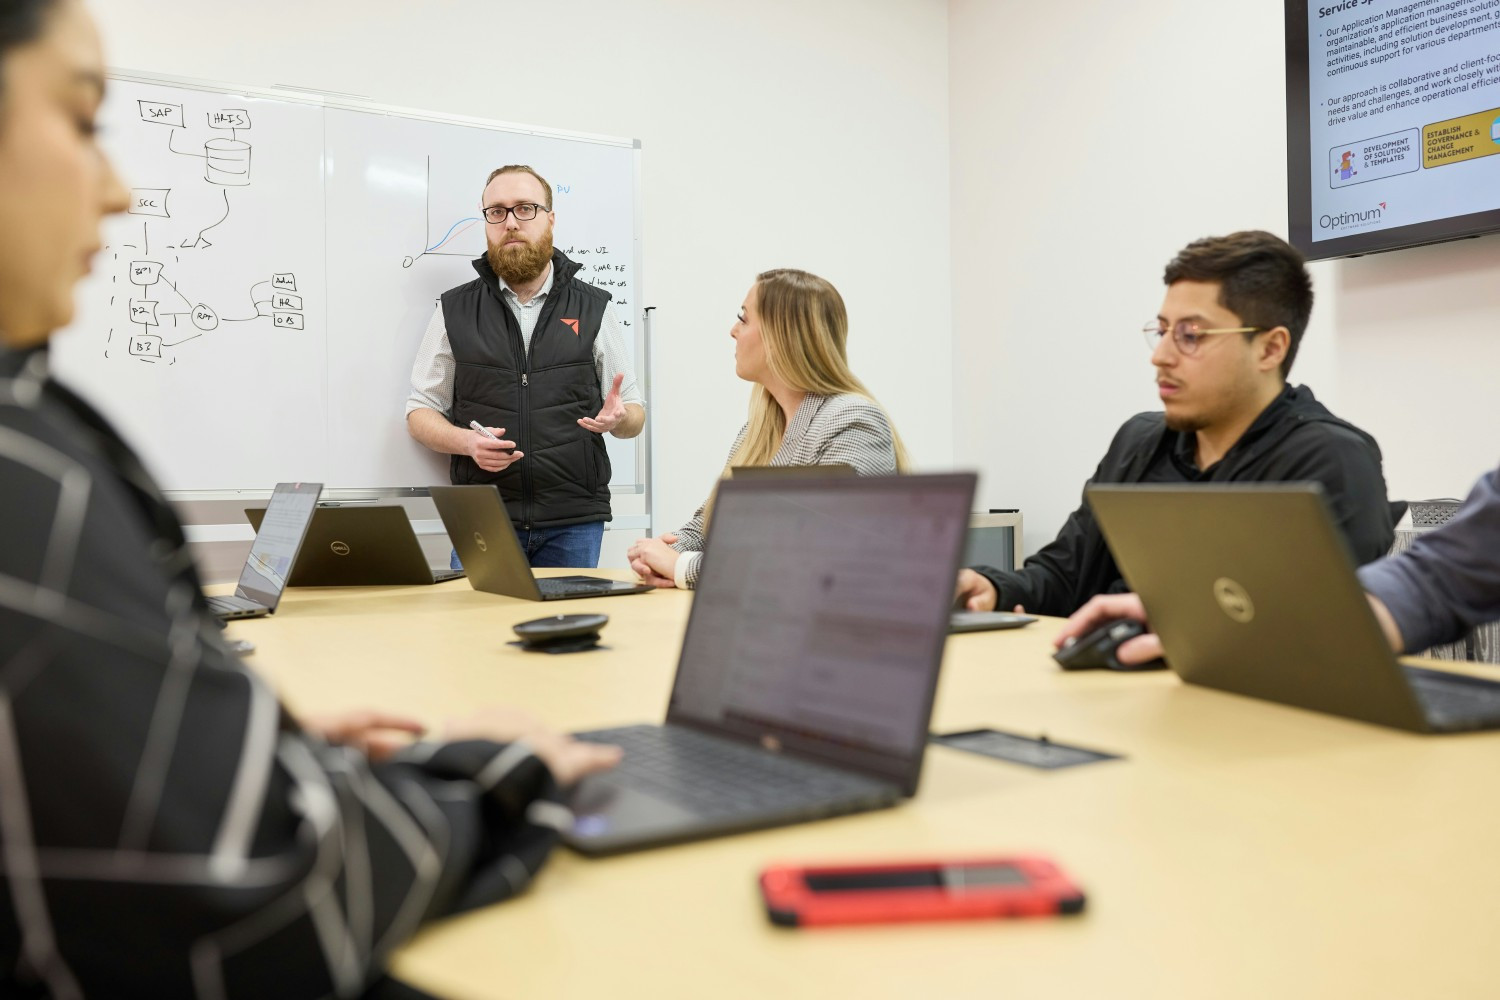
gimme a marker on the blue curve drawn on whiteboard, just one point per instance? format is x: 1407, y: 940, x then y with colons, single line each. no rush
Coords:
x: 450, y: 233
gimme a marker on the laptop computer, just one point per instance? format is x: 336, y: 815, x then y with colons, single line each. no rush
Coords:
x: 806, y: 679
x: 986, y: 621
x: 481, y: 532
x: 1252, y: 590
x: 959, y: 621
x: 834, y: 470
x: 360, y: 547
x: 272, y: 553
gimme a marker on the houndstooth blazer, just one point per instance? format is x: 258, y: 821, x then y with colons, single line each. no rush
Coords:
x: 846, y: 429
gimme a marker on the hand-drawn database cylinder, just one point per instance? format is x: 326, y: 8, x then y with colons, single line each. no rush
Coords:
x: 228, y: 162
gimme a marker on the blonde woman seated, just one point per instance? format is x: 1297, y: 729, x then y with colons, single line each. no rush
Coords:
x: 807, y: 408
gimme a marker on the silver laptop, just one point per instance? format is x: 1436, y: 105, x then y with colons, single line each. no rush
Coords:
x: 808, y: 669
x: 272, y: 554
x: 360, y: 547
x: 1252, y: 590
x: 481, y: 532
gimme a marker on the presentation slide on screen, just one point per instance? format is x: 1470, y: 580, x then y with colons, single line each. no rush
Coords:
x: 1405, y: 112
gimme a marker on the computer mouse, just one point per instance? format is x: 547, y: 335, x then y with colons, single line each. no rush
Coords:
x: 1096, y: 650
x: 558, y: 632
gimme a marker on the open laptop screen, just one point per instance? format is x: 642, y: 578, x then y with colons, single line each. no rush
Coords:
x: 287, y: 516
x: 821, y: 615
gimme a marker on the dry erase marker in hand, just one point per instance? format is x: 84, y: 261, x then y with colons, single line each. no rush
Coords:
x: 482, y: 429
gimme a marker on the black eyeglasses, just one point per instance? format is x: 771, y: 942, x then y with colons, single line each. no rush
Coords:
x: 525, y: 212
x: 1187, y: 335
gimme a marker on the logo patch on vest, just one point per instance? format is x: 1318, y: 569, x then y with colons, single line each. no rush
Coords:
x: 571, y: 324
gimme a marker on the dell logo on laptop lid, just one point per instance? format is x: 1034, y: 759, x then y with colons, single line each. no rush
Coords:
x: 339, y: 548
x: 1234, y: 600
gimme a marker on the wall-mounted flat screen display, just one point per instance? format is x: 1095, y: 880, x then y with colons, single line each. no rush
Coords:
x: 1393, y: 118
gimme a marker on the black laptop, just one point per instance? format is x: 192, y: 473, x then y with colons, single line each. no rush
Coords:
x: 1252, y: 590
x: 272, y: 554
x: 808, y: 669
x: 486, y: 542
x: 834, y: 470
x: 360, y: 547
x: 959, y: 621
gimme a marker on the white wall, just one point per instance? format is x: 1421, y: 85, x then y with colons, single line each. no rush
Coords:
x: 775, y: 134
x: 1419, y: 361
x: 1089, y: 143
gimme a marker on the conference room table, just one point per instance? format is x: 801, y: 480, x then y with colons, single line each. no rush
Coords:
x: 1236, y: 849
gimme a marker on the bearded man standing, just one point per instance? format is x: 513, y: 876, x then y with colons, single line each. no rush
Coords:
x: 535, y: 356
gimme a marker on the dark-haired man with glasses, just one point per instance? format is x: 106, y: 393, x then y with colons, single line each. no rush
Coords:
x: 534, y: 356
x: 1228, y: 331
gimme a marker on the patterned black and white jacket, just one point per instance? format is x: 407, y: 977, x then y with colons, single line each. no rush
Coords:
x: 166, y: 828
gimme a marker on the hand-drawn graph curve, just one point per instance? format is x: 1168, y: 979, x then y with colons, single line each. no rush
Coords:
x: 448, y: 244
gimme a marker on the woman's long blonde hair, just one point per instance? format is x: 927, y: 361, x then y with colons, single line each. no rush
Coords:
x: 803, y: 327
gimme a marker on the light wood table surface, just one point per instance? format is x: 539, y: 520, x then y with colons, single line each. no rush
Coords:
x: 1241, y: 849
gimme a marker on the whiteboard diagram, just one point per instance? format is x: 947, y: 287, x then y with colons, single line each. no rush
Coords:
x: 255, y: 315
x: 157, y: 309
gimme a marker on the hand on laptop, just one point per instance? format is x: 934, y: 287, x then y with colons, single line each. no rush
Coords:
x: 568, y: 759
x: 655, y: 561
x: 1108, y: 607
x: 1387, y: 624
x: 493, y: 454
x: 376, y: 734
x: 974, y: 592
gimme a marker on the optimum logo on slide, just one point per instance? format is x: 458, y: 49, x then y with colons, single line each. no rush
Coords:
x: 1362, y: 218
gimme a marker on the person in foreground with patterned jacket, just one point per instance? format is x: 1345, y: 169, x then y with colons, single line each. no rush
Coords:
x: 167, y: 828
x: 807, y: 408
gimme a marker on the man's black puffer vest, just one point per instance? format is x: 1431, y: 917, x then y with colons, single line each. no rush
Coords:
x: 536, y: 395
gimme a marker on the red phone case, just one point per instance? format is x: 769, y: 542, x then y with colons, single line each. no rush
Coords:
x: 790, y: 902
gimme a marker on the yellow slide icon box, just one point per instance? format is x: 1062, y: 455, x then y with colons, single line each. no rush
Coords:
x: 1459, y: 139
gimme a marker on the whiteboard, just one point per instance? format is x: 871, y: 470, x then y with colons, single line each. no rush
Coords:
x: 255, y: 315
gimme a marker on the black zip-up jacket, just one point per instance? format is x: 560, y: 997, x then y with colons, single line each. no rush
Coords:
x: 1295, y: 439
x: 169, y: 830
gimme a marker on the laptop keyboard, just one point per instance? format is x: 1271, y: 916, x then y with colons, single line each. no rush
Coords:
x: 1454, y: 701
x: 718, y: 777
x: 229, y: 604
x: 564, y: 585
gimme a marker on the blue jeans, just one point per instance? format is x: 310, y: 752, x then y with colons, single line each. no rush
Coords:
x: 571, y: 546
